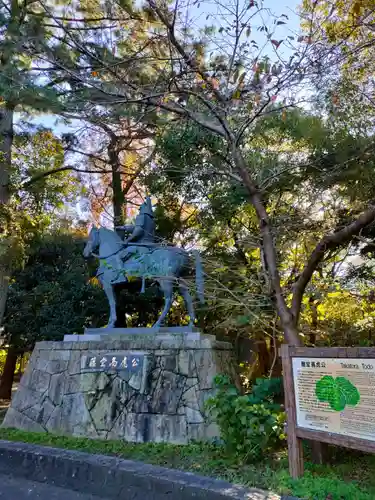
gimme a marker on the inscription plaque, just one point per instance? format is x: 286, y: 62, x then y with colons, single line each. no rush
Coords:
x: 125, y: 361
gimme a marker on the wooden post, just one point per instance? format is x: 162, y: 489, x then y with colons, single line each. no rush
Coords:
x: 295, y: 451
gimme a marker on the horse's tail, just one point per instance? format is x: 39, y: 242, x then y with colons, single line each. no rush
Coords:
x: 199, y: 276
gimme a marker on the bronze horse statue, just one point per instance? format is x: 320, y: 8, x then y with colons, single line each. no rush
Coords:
x: 167, y: 265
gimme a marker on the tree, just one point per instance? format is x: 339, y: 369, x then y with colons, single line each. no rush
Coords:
x: 33, y: 206
x: 92, y: 32
x: 20, y: 89
x: 32, y: 193
x: 118, y: 154
x: 343, y: 38
x: 219, y: 96
x: 169, y: 72
x: 51, y: 296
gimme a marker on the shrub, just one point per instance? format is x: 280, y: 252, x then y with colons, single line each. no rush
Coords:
x: 250, y: 424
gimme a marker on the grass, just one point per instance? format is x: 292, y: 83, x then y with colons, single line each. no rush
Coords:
x: 349, y: 475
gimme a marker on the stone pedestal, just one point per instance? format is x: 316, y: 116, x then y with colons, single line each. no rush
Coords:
x: 190, y: 333
x: 133, y: 387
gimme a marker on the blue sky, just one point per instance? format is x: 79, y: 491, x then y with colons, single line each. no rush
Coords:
x: 288, y: 7
x: 278, y: 7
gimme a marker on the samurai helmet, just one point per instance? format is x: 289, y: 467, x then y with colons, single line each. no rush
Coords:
x: 147, y: 207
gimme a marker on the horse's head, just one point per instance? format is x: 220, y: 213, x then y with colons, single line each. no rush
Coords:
x: 92, y: 242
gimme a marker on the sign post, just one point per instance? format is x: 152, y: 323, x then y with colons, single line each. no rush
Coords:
x: 329, y: 397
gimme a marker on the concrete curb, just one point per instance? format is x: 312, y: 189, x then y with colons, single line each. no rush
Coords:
x: 111, y: 477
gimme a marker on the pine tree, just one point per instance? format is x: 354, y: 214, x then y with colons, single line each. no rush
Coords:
x: 21, y: 88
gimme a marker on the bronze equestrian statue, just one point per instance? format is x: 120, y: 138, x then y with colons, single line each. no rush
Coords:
x: 140, y: 256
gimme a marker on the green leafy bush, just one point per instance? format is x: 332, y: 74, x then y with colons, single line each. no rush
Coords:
x: 267, y: 391
x: 250, y: 424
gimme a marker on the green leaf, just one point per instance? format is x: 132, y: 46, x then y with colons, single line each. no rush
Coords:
x: 337, y: 392
x: 243, y: 320
x: 324, y: 388
x: 349, y: 390
x: 337, y: 401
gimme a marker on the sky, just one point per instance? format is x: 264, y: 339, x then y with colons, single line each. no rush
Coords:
x: 277, y: 7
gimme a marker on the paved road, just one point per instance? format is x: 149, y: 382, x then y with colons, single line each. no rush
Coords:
x: 14, y: 488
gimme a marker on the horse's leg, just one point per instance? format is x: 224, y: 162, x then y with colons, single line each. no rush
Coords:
x: 108, y: 289
x: 167, y: 286
x: 188, y: 301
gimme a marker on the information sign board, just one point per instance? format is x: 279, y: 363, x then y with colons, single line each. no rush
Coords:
x: 329, y: 397
x: 335, y: 395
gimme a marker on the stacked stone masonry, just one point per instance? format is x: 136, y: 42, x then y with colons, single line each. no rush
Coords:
x: 163, y: 402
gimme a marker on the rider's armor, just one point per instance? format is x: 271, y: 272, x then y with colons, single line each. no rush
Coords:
x: 142, y: 232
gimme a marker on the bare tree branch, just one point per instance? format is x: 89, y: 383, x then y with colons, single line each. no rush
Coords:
x: 43, y: 175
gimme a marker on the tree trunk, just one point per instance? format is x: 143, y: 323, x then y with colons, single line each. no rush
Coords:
x: 7, y: 377
x: 277, y: 369
x: 118, y: 199
x: 4, y: 285
x: 6, y: 141
x: 286, y: 318
x: 263, y: 357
